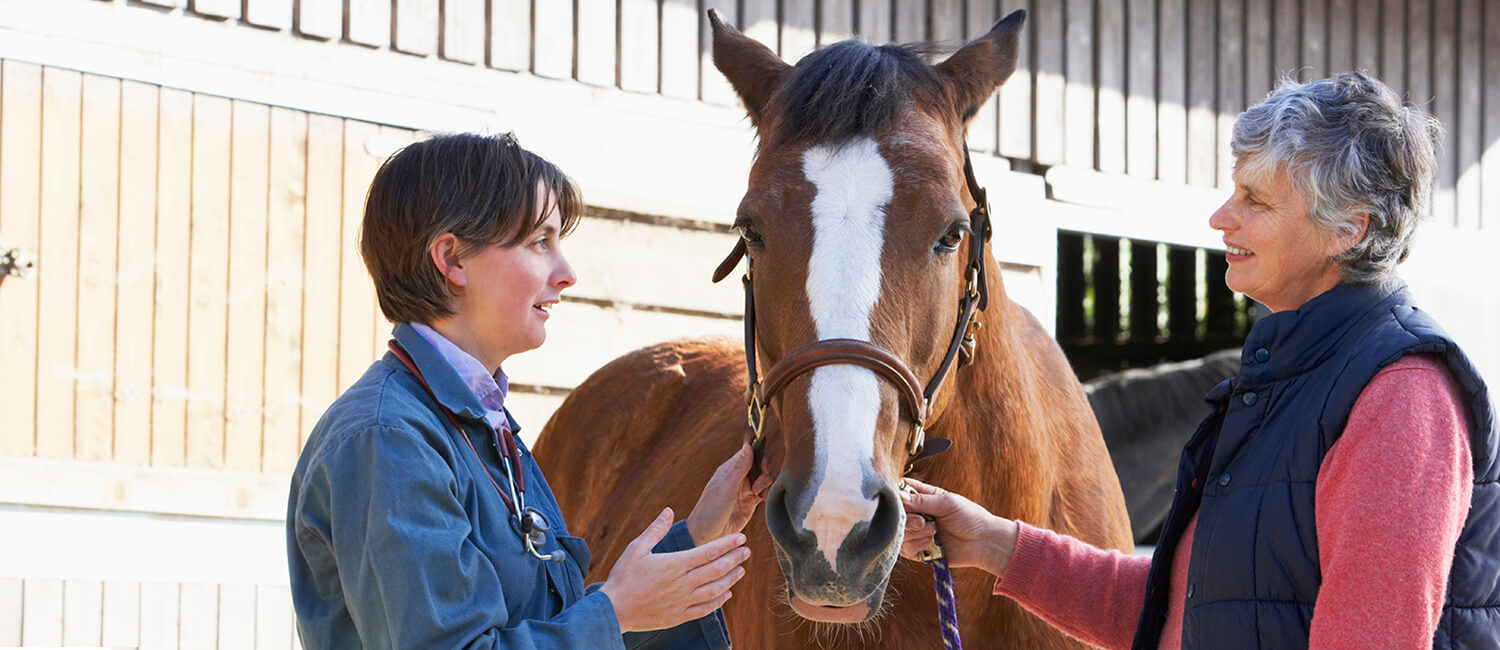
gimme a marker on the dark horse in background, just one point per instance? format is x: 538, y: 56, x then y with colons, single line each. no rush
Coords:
x: 859, y: 225
x: 1146, y: 415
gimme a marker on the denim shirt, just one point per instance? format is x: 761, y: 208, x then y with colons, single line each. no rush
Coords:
x: 396, y: 537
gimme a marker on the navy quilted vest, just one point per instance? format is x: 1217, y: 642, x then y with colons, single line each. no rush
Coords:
x: 1250, y: 473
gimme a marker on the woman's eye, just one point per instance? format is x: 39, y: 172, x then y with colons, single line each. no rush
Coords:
x: 951, y: 239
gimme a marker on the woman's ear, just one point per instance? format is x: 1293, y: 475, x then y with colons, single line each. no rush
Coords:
x: 444, y: 252
x: 1359, y: 222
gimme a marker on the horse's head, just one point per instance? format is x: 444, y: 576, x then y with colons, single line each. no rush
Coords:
x: 857, y: 221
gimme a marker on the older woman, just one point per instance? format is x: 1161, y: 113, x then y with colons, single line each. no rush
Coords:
x: 1342, y: 491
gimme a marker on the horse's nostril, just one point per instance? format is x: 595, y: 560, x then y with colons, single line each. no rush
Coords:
x: 778, y: 517
x: 884, y: 526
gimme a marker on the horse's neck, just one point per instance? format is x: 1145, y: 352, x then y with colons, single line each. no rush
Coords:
x: 1000, y: 416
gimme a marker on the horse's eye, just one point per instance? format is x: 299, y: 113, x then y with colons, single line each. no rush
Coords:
x: 749, y: 234
x: 951, y: 239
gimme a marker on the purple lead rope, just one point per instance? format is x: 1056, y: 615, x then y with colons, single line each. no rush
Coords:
x: 942, y: 580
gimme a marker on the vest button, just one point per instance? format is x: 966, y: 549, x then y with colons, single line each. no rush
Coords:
x: 1224, y: 479
x: 1262, y: 355
x: 1249, y: 399
x: 1191, y: 590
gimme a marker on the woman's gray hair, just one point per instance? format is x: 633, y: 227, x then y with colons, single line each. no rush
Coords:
x: 1349, y: 145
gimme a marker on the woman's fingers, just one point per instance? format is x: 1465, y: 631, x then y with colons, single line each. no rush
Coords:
x: 922, y: 488
x: 717, y: 568
x: 705, y: 608
x: 718, y: 586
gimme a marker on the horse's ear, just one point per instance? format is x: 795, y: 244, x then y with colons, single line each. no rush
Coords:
x: 752, y: 68
x: 975, y: 71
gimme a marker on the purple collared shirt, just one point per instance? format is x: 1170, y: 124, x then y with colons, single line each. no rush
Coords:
x: 490, y: 389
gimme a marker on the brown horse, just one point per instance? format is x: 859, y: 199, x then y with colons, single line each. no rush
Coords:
x: 859, y: 224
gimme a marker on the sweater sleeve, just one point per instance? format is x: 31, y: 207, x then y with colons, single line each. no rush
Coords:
x: 1392, y: 496
x: 1089, y: 593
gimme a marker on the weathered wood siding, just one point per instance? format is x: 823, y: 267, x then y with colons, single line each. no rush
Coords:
x: 189, y: 174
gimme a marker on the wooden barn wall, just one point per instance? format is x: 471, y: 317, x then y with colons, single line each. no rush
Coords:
x: 189, y: 174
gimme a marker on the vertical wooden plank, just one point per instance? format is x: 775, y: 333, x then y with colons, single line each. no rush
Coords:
x: 1467, y: 134
x: 320, y: 264
x: 1048, y: 38
x: 1141, y: 109
x: 1171, y: 110
x: 1182, y: 293
x: 679, y: 49
x: 208, y: 281
x: 799, y: 29
x: 284, y: 257
x: 1490, y: 167
x: 237, y: 608
x: 1419, y: 53
x: 275, y: 14
x: 83, y: 609
x: 368, y: 22
x: 909, y: 20
x: 875, y: 22
x: 463, y: 31
x: 160, y: 615
x: 947, y: 22
x: 639, y: 44
x: 11, y: 600
x: 1286, y: 43
x: 1220, y: 311
x: 596, y: 42
x: 1070, y: 287
x: 1015, y: 112
x: 1393, y: 50
x: 1111, y: 59
x: 760, y: 23
x: 835, y: 21
x: 42, y: 613
x: 320, y: 18
x: 1231, y: 83
x: 416, y: 27
x: 198, y: 616
x: 1259, y: 68
x: 356, y: 293
x: 1340, y: 36
x: 713, y: 87
x: 1106, y: 289
x: 510, y: 34
x: 552, y: 39
x: 1143, y: 288
x: 245, y: 365
x: 170, y: 309
x: 20, y: 222
x: 99, y: 219
x: 215, y: 8
x: 984, y: 129
x: 57, y: 268
x: 137, y: 253
x: 1078, y: 98
x: 121, y: 627
x: 1445, y: 107
x: 1314, y: 40
x: 1367, y: 43
x: 273, y: 617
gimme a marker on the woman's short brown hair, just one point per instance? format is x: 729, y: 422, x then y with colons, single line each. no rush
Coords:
x: 485, y: 189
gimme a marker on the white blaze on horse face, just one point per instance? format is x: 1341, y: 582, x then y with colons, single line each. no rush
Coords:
x: 854, y: 184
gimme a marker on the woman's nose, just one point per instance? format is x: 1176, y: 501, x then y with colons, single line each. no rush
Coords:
x: 1222, y: 218
x: 563, y: 275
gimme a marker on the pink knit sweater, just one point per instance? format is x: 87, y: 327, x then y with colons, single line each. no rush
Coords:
x: 1392, y: 495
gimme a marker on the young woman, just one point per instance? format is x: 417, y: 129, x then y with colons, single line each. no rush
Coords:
x: 417, y: 519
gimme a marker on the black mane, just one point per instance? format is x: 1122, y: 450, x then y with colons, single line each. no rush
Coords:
x: 850, y: 88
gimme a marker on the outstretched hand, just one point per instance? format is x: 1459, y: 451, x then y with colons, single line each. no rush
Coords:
x: 729, y: 498
x: 653, y: 591
x: 970, y: 535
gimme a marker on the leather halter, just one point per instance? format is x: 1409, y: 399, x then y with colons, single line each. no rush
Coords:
x: 863, y: 353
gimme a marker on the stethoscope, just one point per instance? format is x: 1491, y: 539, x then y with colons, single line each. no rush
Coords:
x: 534, y: 525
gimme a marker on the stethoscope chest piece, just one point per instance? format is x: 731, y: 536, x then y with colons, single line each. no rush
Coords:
x: 534, y: 530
